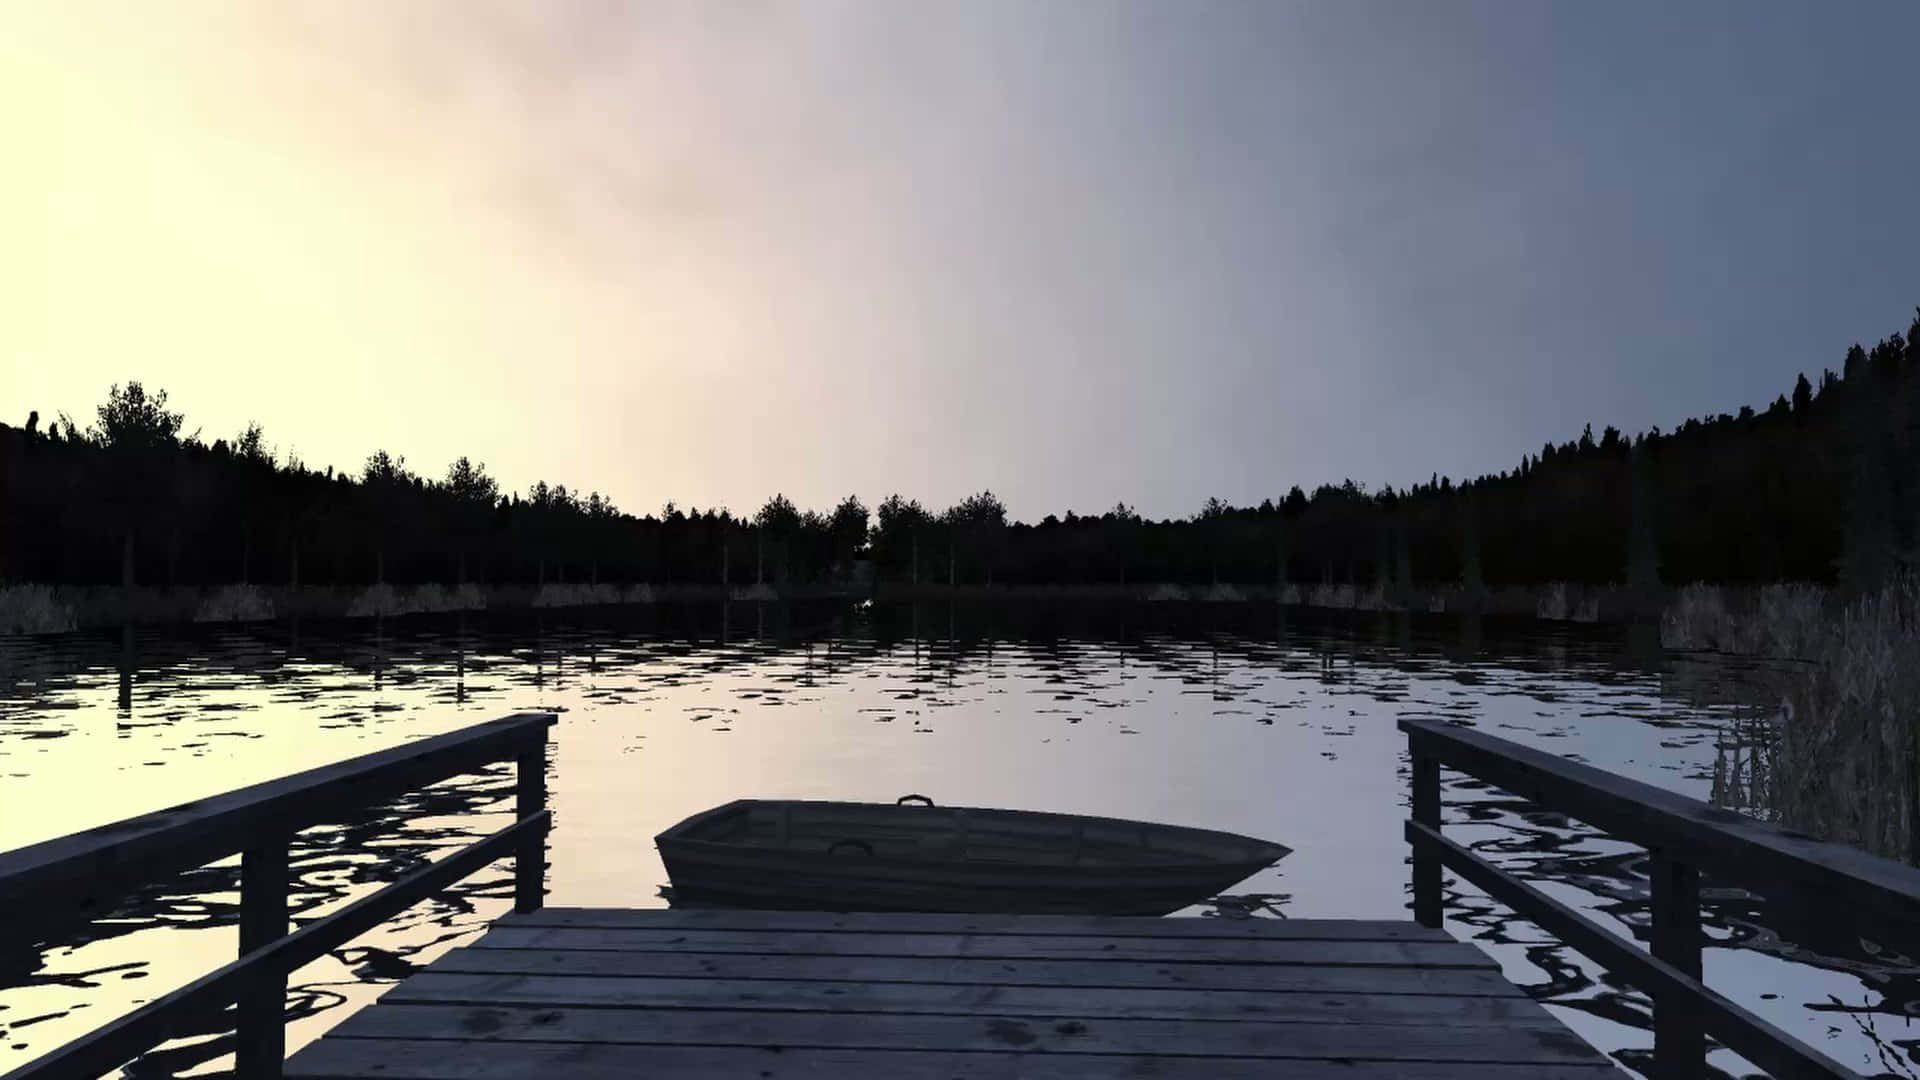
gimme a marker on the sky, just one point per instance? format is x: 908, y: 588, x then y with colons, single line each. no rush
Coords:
x: 1072, y: 252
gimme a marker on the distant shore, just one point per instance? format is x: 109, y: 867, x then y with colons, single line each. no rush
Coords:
x: 1559, y: 601
x: 41, y: 609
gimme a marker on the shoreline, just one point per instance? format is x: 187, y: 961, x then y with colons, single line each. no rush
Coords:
x: 53, y: 609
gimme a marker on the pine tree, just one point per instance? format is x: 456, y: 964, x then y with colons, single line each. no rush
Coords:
x: 1471, y: 574
x: 1643, y: 549
x: 1403, y: 555
x: 1868, y: 541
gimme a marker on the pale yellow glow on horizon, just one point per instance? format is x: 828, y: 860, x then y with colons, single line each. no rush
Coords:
x: 674, y: 249
x: 246, y: 212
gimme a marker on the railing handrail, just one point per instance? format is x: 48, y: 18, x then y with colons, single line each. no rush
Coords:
x: 100, y: 1051
x: 75, y: 878
x: 1681, y: 835
x: 259, y: 821
x: 1730, y: 845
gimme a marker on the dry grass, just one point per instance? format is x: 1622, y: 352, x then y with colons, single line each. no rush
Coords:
x: 387, y: 600
x: 1829, y: 744
x: 1783, y: 622
x: 1552, y: 603
x: 1846, y: 754
x: 1331, y: 596
x: 235, y: 603
x: 562, y: 596
x: 33, y: 609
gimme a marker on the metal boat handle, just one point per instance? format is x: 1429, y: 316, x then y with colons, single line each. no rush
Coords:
x: 850, y: 842
x: 905, y: 799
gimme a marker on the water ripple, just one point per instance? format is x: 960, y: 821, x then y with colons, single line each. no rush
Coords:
x: 1241, y: 717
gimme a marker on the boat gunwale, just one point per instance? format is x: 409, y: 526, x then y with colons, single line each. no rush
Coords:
x: 676, y: 837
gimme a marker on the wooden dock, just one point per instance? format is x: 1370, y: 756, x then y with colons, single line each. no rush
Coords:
x: 572, y: 994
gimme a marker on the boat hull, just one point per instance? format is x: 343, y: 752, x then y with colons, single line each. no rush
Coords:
x: 710, y: 874
x: 699, y: 886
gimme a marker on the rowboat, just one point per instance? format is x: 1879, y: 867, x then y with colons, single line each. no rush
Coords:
x: 911, y: 855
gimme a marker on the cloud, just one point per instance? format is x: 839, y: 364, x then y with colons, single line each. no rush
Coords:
x: 708, y: 250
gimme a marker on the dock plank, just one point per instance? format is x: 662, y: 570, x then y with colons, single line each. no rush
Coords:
x: 1026, y: 925
x: 973, y: 1034
x: 432, y: 1059
x: 1465, y: 982
x: 590, y: 994
x: 435, y: 986
x: 1320, y: 953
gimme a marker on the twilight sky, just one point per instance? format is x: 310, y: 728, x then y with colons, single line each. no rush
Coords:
x: 1074, y: 252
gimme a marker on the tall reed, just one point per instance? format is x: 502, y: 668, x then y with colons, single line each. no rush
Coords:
x: 1829, y: 740
x: 1849, y: 740
x: 33, y: 609
x: 1783, y: 622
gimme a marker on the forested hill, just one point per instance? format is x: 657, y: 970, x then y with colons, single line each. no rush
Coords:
x: 1823, y: 485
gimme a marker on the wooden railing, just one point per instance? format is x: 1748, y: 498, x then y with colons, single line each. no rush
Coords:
x: 52, y: 886
x: 1683, y: 837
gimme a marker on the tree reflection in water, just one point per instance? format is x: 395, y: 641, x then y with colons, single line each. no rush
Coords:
x: 1293, y: 697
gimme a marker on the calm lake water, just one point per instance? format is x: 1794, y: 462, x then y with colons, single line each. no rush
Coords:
x: 1240, y: 717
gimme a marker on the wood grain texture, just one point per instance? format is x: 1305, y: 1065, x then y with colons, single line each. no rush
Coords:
x: 1069, y: 1034
x: 975, y: 971
x: 1320, y: 953
x: 812, y: 995
x: 1112, y: 926
x: 336, y: 1058
x: 453, y: 986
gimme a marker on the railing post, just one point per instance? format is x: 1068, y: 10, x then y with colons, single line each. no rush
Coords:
x: 1679, y: 1044
x: 260, y: 1031
x: 530, y: 858
x: 1426, y: 811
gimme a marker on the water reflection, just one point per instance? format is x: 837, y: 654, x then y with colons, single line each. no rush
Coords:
x: 1250, y: 718
x: 125, y: 700
x: 330, y: 865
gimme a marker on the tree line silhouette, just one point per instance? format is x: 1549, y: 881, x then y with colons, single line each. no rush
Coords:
x: 1822, y: 486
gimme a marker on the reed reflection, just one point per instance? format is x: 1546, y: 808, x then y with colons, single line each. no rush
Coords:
x: 1321, y: 691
